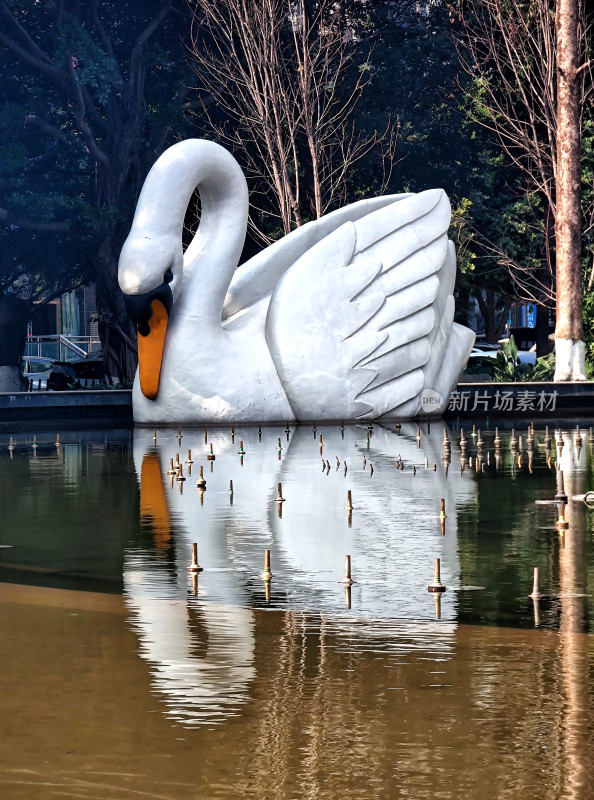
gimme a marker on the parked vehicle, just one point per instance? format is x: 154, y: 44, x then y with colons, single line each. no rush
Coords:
x: 485, y: 347
x: 524, y: 356
x: 484, y: 355
x: 37, y: 368
x: 481, y: 362
x: 62, y: 375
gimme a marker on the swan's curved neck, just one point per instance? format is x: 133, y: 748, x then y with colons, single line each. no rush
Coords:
x: 211, y: 258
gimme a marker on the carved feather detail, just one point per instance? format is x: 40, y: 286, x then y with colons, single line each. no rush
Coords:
x: 379, y: 305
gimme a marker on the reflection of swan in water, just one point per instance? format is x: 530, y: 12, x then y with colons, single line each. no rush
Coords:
x: 374, y: 329
x: 201, y: 649
x: 201, y: 654
x: 393, y: 537
x: 394, y: 534
x: 223, y: 531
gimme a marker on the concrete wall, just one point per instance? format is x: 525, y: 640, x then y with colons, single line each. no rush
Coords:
x: 79, y: 406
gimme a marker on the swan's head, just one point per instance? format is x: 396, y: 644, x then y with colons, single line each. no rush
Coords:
x: 150, y: 275
x: 151, y: 262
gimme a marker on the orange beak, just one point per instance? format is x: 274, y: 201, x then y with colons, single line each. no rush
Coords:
x: 150, y: 350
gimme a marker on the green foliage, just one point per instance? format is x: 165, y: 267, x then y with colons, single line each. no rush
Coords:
x: 506, y: 362
x: 494, y: 223
x: 93, y: 67
x: 480, y: 366
x: 544, y: 369
x: 13, y: 158
x: 93, y: 92
x: 507, y: 367
x: 589, y: 327
x: 415, y: 81
x: 74, y: 212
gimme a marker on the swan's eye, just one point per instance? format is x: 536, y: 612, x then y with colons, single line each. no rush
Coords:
x: 168, y: 276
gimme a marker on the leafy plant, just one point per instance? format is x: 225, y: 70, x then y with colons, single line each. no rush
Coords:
x: 544, y: 369
x: 507, y: 367
x: 506, y: 361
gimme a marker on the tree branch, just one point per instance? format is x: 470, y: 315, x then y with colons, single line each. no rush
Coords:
x: 58, y: 290
x: 42, y: 66
x: 92, y: 112
x: 97, y: 154
x: 153, y: 25
x: 134, y: 89
x: 190, y: 105
x: 33, y: 46
x: 583, y: 67
x: 145, y: 35
x: 33, y: 119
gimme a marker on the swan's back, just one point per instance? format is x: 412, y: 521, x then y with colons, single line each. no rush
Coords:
x: 258, y: 277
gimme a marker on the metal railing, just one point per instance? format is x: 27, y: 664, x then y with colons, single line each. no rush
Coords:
x: 60, y: 347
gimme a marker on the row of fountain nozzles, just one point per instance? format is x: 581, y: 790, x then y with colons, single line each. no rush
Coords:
x: 435, y: 586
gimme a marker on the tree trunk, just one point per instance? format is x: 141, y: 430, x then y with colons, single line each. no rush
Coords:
x: 569, y: 333
x: 116, y: 331
x: 14, y: 315
x: 503, y: 320
x: 487, y: 302
x: 544, y: 345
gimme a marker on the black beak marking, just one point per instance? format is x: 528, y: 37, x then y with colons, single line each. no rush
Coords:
x: 138, y: 306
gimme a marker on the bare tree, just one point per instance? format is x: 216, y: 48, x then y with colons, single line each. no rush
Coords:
x: 280, y: 73
x: 509, y: 50
x: 529, y: 92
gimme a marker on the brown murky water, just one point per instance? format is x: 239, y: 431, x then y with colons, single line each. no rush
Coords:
x: 155, y: 688
x: 325, y: 710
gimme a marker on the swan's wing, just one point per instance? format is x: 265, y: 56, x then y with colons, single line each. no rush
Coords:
x: 450, y: 347
x: 353, y: 323
x: 258, y: 277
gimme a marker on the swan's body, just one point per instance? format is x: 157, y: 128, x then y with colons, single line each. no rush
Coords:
x: 350, y: 316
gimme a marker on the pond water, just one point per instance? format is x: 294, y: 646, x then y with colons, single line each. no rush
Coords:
x: 122, y: 675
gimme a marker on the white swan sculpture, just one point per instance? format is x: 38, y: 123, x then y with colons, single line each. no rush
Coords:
x: 347, y: 317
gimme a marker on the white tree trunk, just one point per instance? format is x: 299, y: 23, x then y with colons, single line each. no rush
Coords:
x: 570, y: 360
